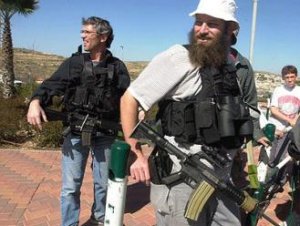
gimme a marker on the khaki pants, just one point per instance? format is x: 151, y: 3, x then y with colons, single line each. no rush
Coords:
x: 170, y: 206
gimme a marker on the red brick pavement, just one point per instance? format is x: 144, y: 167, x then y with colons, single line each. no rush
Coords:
x: 30, y: 189
x: 30, y: 184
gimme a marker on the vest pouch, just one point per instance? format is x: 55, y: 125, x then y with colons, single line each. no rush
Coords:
x: 183, y: 122
x: 108, y: 101
x: 245, y: 124
x: 204, y: 113
x: 98, y: 97
x: 80, y: 96
x: 206, y: 122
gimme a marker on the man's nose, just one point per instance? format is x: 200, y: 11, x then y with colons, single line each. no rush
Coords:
x: 204, y: 28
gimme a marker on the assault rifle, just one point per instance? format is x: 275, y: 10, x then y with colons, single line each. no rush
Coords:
x: 85, y: 124
x: 205, y: 178
x: 269, y: 175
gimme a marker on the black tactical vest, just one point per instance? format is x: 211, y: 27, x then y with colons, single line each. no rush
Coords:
x: 215, y: 116
x: 94, y: 92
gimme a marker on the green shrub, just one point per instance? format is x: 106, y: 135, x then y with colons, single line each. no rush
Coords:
x: 26, y: 90
x: 50, y: 136
x: 13, y: 125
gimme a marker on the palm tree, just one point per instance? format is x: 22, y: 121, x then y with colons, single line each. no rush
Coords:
x: 8, y: 8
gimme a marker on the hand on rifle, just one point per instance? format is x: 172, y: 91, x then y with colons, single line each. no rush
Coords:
x: 264, y: 141
x: 279, y: 133
x: 36, y: 115
x: 292, y: 122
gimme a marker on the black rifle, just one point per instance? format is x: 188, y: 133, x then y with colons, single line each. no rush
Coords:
x: 85, y: 123
x: 193, y: 168
x: 54, y: 115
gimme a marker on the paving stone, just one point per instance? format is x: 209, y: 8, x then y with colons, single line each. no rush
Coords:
x: 30, y: 193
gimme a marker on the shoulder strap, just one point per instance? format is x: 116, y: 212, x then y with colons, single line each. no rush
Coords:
x: 111, y: 69
x: 79, y: 51
x: 208, y: 88
x: 87, y: 69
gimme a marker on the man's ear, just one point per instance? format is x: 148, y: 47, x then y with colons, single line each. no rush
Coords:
x: 231, y: 27
x: 103, y: 38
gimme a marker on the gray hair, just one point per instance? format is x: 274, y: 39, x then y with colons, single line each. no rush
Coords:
x: 102, y: 27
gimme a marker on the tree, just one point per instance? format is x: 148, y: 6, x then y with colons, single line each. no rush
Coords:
x: 8, y: 8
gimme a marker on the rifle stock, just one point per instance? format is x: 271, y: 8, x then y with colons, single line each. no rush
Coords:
x: 86, y: 120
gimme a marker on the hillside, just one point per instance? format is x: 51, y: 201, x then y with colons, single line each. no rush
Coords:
x: 266, y: 83
x: 33, y: 65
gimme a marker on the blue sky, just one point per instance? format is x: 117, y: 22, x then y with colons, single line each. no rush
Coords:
x: 144, y: 28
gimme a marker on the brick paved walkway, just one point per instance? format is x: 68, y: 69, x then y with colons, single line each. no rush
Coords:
x: 30, y: 190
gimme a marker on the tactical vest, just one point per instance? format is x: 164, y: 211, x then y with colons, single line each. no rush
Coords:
x: 215, y: 116
x: 94, y: 92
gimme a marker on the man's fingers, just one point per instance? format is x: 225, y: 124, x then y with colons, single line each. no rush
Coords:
x: 40, y: 126
x: 44, y: 116
x: 140, y: 175
x: 35, y: 121
x: 38, y: 123
x: 36, y: 115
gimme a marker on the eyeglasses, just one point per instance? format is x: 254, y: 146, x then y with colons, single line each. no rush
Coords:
x: 86, y: 32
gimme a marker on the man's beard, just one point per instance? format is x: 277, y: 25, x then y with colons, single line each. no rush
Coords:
x: 213, y: 55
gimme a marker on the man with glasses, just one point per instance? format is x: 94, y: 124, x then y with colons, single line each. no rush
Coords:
x: 92, y: 84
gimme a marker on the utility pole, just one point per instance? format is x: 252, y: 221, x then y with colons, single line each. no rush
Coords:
x: 253, y: 30
x: 122, y: 52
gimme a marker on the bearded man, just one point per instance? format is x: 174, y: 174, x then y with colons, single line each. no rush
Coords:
x: 187, y: 81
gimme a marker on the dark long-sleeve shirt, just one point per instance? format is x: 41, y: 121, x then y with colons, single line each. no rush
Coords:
x: 247, y: 81
x: 68, y: 74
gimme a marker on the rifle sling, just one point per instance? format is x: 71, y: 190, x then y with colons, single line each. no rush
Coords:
x: 281, y: 151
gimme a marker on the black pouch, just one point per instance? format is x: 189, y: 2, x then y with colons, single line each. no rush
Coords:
x: 206, y: 122
x: 183, y: 122
x: 160, y: 165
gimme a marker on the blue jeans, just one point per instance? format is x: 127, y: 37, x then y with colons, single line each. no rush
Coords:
x: 74, y: 159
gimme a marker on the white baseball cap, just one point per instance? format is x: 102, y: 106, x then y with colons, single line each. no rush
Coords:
x: 222, y: 9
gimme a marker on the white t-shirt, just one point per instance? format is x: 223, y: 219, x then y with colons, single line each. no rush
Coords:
x: 287, y: 100
x: 162, y: 76
x: 170, y: 75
